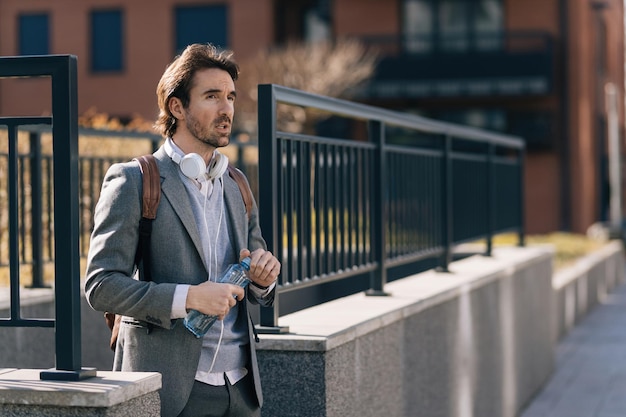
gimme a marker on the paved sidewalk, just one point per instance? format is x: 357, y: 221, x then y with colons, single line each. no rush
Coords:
x: 590, y: 375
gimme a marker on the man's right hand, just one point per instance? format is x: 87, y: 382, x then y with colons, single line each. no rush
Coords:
x: 213, y: 299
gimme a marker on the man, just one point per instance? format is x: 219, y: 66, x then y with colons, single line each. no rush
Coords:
x: 201, y: 227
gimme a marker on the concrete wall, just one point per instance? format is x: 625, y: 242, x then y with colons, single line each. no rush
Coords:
x: 579, y: 287
x: 478, y: 341
x: 23, y: 347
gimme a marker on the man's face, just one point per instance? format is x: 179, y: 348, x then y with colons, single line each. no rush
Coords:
x: 210, y: 112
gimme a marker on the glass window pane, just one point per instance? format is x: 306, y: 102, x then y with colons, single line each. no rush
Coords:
x: 488, y: 24
x: 33, y: 34
x: 418, y: 25
x: 201, y: 24
x: 453, y: 24
x: 488, y: 16
x: 106, y: 41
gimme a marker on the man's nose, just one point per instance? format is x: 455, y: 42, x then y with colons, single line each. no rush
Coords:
x: 227, y: 107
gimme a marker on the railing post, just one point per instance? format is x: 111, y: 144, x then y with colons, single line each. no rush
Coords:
x: 522, y: 211
x: 491, y: 197
x: 268, y: 213
x: 447, y: 197
x: 66, y: 215
x: 378, y: 277
x: 36, y: 234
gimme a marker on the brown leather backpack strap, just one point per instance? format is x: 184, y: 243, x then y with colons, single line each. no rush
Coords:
x: 151, y: 185
x: 151, y: 197
x: 244, y: 187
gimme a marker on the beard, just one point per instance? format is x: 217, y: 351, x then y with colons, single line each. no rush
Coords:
x: 205, y: 133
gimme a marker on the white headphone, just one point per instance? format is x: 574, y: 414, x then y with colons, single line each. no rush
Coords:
x: 192, y: 164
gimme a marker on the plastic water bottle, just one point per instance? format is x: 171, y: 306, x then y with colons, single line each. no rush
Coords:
x: 199, y: 323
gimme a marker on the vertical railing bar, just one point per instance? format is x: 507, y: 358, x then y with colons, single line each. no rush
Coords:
x: 360, y: 218
x: 305, y: 215
x: 36, y: 210
x: 425, y: 170
x: 436, y: 199
x: 298, y: 213
x: 351, y: 207
x: 50, y: 208
x: 21, y: 166
x: 326, y: 215
x: 412, y: 206
x: 366, y: 182
x: 282, y: 203
x: 390, y: 220
x: 287, y: 212
x: 294, y: 214
x: 336, y: 209
x: 343, y: 181
x: 319, y: 181
x: 401, y: 225
x: 14, y: 261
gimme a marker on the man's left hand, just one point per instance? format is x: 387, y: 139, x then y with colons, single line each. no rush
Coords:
x: 264, y: 267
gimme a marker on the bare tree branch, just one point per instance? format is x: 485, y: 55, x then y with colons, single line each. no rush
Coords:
x: 334, y: 69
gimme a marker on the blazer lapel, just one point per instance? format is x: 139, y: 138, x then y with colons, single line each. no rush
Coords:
x: 174, y: 190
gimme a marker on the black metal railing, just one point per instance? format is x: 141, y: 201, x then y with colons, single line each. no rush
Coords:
x: 333, y: 208
x: 61, y: 69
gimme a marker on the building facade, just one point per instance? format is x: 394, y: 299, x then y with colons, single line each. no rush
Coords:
x: 539, y: 69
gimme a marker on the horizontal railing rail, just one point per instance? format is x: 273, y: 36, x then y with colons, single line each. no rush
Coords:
x: 337, y: 208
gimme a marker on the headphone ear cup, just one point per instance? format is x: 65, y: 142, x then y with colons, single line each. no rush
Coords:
x: 218, y: 167
x: 192, y: 165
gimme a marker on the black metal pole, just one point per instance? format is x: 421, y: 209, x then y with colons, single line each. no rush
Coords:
x: 447, y: 196
x: 521, y: 197
x: 36, y: 234
x: 67, y: 262
x: 378, y: 277
x: 268, y: 214
x: 491, y: 197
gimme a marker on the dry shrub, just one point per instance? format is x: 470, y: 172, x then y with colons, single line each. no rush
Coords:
x: 333, y: 69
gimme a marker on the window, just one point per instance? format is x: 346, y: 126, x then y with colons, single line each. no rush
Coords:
x: 201, y: 24
x: 33, y: 34
x: 452, y: 25
x: 107, y: 46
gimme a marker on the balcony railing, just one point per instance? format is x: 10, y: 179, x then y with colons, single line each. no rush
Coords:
x: 498, y: 63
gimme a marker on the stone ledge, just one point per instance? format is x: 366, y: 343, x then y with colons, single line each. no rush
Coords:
x: 107, y: 389
x: 332, y: 324
x: 583, y: 265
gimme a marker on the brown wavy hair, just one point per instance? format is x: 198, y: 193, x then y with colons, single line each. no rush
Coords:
x: 177, y: 78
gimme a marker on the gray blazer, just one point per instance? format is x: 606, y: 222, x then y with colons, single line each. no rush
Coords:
x: 176, y: 257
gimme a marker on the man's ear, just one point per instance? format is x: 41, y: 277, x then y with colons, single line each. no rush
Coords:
x: 176, y: 108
